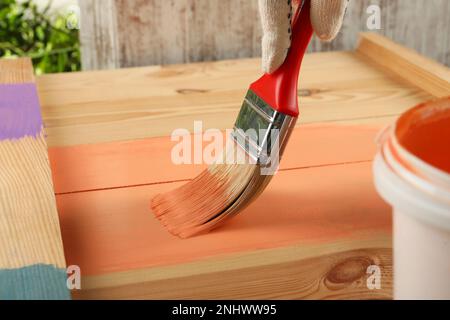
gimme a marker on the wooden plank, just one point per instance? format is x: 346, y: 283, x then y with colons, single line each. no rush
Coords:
x: 120, y: 33
x: 17, y: 71
x: 113, y: 230
x: 124, y: 251
x: 341, y: 275
x: 424, y: 73
x: 94, y: 164
x: 32, y: 264
x: 99, y: 31
x: 127, y: 104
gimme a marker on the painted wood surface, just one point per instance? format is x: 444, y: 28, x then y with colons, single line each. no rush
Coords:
x: 119, y: 33
x: 90, y: 169
x: 111, y: 230
x: 103, y: 124
x: 32, y: 264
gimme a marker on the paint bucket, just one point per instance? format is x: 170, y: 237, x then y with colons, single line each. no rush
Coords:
x: 412, y: 173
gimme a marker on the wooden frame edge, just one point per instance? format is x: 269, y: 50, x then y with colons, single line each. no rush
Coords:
x: 152, y: 283
x: 428, y: 75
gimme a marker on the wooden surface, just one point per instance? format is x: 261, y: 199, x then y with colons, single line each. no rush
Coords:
x: 17, y: 71
x: 339, y: 275
x: 32, y: 264
x: 424, y: 73
x: 103, y: 125
x: 91, y: 107
x: 152, y: 157
x: 119, y: 33
x: 110, y: 233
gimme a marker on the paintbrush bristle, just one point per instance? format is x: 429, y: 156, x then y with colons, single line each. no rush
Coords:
x: 197, y: 206
x: 235, y: 179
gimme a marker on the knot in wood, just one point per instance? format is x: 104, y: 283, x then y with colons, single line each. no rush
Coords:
x: 349, y: 270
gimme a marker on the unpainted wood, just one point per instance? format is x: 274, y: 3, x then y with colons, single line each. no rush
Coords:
x: 16, y: 71
x: 339, y: 275
x: 99, y: 31
x: 424, y: 73
x: 29, y: 226
x: 126, y: 104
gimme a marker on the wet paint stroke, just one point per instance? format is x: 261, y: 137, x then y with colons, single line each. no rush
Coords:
x: 148, y: 161
x: 320, y: 196
x: 19, y: 111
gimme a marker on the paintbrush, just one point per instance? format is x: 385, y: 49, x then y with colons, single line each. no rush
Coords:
x: 259, y: 137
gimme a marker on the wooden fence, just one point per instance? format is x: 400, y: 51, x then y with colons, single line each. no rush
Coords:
x: 124, y: 33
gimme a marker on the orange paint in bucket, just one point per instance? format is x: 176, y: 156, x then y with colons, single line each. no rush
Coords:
x: 425, y: 132
x: 412, y: 173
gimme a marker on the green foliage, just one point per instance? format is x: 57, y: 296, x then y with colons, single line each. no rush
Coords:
x: 27, y: 31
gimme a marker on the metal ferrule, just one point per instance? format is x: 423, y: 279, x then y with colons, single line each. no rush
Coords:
x: 260, y: 130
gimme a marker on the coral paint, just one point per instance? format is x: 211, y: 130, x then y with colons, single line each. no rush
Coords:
x: 19, y: 111
x: 112, y: 230
x: 425, y: 132
x: 145, y: 161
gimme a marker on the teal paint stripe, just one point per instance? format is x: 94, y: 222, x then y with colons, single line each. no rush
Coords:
x: 35, y: 282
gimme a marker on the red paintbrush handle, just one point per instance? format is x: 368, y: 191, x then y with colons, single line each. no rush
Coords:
x: 279, y: 89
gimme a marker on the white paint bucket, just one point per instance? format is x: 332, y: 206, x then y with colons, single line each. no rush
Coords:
x: 412, y: 173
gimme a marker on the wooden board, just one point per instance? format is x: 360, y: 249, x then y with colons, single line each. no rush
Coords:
x: 330, y: 224
x: 108, y: 229
x: 32, y: 264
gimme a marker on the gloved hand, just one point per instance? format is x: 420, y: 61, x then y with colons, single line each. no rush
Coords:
x: 276, y: 18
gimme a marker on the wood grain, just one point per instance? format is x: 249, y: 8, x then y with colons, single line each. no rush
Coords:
x: 99, y: 31
x: 16, y: 71
x: 29, y: 228
x: 127, y: 104
x: 32, y: 263
x: 140, y: 32
x: 424, y: 73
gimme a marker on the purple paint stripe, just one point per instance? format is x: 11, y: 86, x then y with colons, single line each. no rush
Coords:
x: 20, y: 114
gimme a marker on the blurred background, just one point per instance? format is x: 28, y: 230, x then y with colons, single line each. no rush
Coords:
x: 39, y: 29
x: 71, y: 35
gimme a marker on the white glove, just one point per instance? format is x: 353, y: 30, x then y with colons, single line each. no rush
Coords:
x: 276, y: 18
